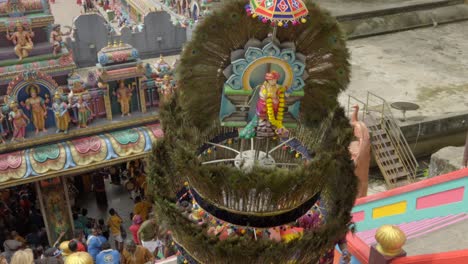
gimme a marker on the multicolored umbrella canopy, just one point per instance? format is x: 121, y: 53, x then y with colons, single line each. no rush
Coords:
x: 278, y: 12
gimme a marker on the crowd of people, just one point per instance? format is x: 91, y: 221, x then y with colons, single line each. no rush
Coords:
x: 21, y: 223
x: 101, y: 241
x: 91, y: 240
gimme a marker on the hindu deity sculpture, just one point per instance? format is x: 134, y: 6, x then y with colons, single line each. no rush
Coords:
x: 124, y: 96
x: 270, y: 107
x: 167, y: 87
x: 56, y: 38
x: 62, y: 117
x: 84, y: 112
x: 22, y: 41
x: 37, y: 106
x: 78, y: 88
x: 19, y: 120
x: 360, y: 152
x: 162, y: 67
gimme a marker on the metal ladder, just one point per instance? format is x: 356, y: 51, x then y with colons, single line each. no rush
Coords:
x: 388, y: 144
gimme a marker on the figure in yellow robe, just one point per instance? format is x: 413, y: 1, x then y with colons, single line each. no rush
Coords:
x: 62, y: 117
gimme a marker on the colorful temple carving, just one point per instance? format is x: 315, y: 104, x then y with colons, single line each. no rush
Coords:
x: 53, y: 120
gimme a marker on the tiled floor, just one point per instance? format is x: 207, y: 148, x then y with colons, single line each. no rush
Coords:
x: 117, y: 198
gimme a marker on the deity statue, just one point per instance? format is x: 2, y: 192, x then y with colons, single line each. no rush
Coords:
x: 19, y: 120
x: 62, y: 117
x: 124, y: 96
x: 162, y: 67
x: 270, y: 107
x: 360, y: 152
x: 37, y: 106
x: 22, y: 41
x: 56, y: 38
x: 78, y: 88
x: 167, y: 87
x: 84, y: 112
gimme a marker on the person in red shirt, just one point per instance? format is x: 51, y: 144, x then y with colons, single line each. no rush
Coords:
x: 137, y: 220
x: 78, y: 240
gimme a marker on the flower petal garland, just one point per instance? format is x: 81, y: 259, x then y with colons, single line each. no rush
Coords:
x: 277, y: 120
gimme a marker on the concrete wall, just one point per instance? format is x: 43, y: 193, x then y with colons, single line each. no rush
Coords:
x: 91, y: 33
x: 427, y: 137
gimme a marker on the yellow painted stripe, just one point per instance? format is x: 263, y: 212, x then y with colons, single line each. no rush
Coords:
x: 389, y: 210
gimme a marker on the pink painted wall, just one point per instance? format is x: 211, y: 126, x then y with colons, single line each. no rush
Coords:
x: 441, y: 198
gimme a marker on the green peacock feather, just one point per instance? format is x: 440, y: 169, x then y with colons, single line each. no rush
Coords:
x: 190, y: 117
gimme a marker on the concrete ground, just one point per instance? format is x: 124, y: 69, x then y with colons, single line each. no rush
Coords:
x: 424, y: 66
x: 117, y: 198
x: 450, y: 238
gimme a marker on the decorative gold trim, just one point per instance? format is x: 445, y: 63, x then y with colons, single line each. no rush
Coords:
x: 288, y: 79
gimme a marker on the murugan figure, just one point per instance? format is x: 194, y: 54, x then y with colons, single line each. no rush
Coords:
x: 56, y: 38
x: 19, y: 120
x: 84, y: 112
x: 22, y: 41
x: 62, y: 117
x: 124, y: 96
x: 37, y: 106
x: 269, y: 110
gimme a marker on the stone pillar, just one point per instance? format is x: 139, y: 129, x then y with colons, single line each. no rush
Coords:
x: 141, y: 91
x: 107, y: 103
x: 390, y: 241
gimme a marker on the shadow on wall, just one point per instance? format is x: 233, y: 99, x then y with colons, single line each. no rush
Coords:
x: 91, y: 33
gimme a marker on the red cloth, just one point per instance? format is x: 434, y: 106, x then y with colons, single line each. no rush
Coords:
x: 134, y: 229
x: 78, y: 2
x: 81, y: 247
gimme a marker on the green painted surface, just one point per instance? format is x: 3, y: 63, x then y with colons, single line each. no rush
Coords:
x: 48, y: 152
x: 126, y: 137
x: 229, y: 91
x: 234, y: 124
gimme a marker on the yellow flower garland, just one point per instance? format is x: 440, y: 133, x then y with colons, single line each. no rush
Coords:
x: 278, y: 120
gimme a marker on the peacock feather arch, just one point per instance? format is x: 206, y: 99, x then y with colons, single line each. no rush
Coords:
x: 255, y: 140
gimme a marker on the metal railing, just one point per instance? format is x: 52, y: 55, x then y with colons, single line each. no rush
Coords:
x: 394, y: 134
x: 376, y: 112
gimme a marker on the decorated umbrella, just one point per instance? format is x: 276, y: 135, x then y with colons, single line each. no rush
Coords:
x: 278, y: 12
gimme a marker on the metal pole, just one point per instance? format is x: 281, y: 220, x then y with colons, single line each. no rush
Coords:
x: 43, y: 212
x: 67, y: 201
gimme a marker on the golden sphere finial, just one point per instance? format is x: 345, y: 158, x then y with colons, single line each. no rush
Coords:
x: 390, y: 239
